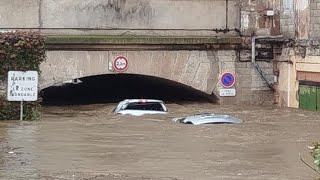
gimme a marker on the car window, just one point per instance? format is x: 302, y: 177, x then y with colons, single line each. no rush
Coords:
x: 119, y: 106
x: 149, y: 106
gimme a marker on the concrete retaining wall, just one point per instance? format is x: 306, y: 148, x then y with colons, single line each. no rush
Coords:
x: 148, y: 14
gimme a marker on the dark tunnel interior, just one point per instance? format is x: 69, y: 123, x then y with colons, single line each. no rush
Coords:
x: 116, y: 87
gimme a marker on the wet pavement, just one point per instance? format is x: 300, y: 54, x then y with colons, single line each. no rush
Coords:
x: 89, y: 142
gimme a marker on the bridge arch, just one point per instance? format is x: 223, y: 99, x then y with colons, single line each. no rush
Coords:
x: 195, y: 69
x: 111, y: 88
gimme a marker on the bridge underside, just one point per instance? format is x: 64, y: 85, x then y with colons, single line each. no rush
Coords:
x: 116, y: 87
x: 195, y: 69
x: 193, y: 62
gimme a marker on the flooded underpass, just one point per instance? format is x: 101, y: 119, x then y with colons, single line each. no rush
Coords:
x: 90, y: 142
x: 116, y: 87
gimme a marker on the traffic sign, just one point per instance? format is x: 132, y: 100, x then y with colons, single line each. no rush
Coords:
x: 22, y: 86
x: 227, y: 79
x: 227, y: 92
x: 120, y: 64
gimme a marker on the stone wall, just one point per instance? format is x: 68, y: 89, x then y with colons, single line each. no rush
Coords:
x: 198, y: 69
x: 299, y: 60
x: 251, y: 87
x: 254, y: 17
x: 117, y: 14
x: 315, y: 18
x: 287, y: 21
x: 19, y: 13
x: 295, y: 18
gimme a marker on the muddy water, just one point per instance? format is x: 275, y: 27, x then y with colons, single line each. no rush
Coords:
x: 88, y: 142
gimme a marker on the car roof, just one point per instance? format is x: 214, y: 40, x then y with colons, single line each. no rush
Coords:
x: 141, y: 100
x: 208, y: 118
x: 213, y: 118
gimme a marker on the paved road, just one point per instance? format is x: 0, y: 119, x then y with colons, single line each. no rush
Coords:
x: 87, y: 142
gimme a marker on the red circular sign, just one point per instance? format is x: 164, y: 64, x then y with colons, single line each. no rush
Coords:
x: 120, y: 63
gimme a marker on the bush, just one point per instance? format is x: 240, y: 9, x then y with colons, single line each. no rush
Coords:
x: 8, y: 111
x: 316, y: 154
x: 11, y: 110
x: 20, y: 51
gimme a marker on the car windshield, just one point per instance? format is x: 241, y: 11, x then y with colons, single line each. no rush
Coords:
x: 149, y: 106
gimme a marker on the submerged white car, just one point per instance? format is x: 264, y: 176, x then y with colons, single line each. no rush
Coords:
x: 139, y: 107
x: 207, y: 118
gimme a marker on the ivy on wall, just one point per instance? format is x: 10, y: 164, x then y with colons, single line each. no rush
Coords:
x: 20, y: 51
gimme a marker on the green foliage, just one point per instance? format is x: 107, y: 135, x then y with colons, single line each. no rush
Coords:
x: 32, y: 111
x: 11, y: 110
x: 316, y: 154
x: 8, y: 110
x: 20, y: 51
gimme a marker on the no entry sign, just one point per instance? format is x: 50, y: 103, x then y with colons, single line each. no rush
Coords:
x: 120, y: 64
x: 227, y: 80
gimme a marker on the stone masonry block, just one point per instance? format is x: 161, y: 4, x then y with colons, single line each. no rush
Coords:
x: 314, y: 20
x: 226, y: 53
x: 257, y: 84
x: 291, y: 28
x: 250, y: 65
x: 284, y: 28
x: 313, y: 6
x: 241, y: 65
x: 262, y: 95
x: 311, y: 13
x: 316, y: 13
x: 243, y: 71
x: 228, y: 66
x: 314, y: 34
x: 311, y: 26
x: 243, y: 77
x: 254, y: 72
x: 260, y: 78
x: 212, y: 53
x: 246, y: 84
x: 203, y: 54
x: 316, y: 27
x: 229, y: 100
x: 265, y: 64
x: 286, y: 22
x: 227, y: 58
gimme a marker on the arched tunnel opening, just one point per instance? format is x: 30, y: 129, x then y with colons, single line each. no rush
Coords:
x: 113, y: 88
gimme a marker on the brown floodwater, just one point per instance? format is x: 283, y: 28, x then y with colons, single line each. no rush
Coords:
x: 89, y: 142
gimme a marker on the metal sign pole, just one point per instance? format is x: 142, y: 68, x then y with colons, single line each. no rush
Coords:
x: 21, y: 110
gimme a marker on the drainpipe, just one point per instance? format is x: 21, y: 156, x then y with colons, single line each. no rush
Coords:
x: 289, y: 83
x: 276, y: 94
x: 256, y: 65
x: 227, y: 10
x: 253, y: 49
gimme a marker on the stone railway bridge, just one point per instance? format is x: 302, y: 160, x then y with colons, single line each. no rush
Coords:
x: 189, y: 42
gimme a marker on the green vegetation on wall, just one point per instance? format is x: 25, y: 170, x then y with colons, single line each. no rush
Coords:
x: 20, y: 51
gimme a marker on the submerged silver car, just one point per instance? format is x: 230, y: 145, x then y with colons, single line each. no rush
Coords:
x: 139, y: 107
x: 207, y: 118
